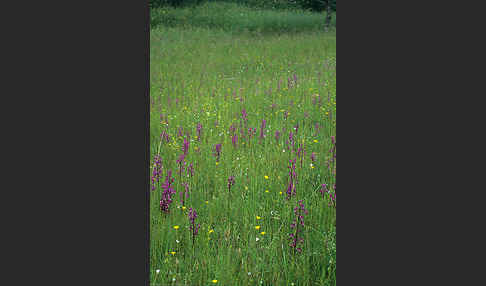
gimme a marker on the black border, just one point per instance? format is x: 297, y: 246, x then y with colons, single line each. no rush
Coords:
x: 79, y: 79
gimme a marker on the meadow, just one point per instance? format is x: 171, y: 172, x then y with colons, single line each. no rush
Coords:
x: 243, y: 155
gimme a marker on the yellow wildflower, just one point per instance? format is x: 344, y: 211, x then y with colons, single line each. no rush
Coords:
x: 266, y: 177
x: 257, y: 227
x: 173, y: 252
x: 183, y: 208
x: 315, y: 141
x: 211, y: 230
x: 176, y: 227
x: 257, y: 217
x: 262, y: 233
x: 215, y: 281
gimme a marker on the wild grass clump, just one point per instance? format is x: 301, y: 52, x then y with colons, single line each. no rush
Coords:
x: 237, y: 18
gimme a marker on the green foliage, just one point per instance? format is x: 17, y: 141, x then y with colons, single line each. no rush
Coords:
x: 202, y: 68
x: 315, y: 5
x: 238, y: 18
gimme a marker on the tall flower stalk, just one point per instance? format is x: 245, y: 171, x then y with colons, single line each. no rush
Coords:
x: 217, y: 151
x: 295, y: 236
x: 167, y: 193
x: 292, y: 180
x: 192, y: 224
x: 157, y: 170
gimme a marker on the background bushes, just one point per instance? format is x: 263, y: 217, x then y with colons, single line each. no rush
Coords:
x: 314, y: 5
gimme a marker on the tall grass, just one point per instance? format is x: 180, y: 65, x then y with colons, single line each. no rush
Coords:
x: 237, y: 18
x: 208, y: 76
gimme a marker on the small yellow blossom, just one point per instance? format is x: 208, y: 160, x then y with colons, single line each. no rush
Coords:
x: 315, y: 141
x: 266, y: 177
x: 217, y: 163
x: 262, y: 233
x: 257, y: 217
x: 266, y: 191
x: 176, y: 227
x: 183, y: 208
x: 211, y: 230
x: 257, y: 227
x: 207, y: 202
x: 215, y: 281
x: 173, y: 252
x: 280, y: 193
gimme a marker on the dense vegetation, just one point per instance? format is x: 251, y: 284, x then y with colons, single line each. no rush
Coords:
x: 243, y: 148
x: 315, y: 5
x: 236, y: 18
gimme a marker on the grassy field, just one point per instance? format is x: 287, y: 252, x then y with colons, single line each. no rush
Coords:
x: 247, y: 92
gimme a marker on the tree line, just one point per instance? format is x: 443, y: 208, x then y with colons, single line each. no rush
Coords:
x: 314, y: 5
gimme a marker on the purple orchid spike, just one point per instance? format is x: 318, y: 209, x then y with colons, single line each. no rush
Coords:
x: 277, y: 135
x: 185, y: 146
x: 192, y: 224
x: 262, y: 129
x: 217, y: 152
x: 234, y: 140
x: 167, y: 193
x: 298, y: 223
x: 231, y: 182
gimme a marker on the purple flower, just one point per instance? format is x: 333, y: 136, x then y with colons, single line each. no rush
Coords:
x: 234, y: 140
x: 192, y: 226
x: 198, y: 130
x: 167, y: 193
x: 232, y: 129
x: 244, y: 116
x: 217, y: 153
x: 298, y: 223
x: 164, y: 136
x: 231, y: 182
x: 323, y: 190
x: 185, y: 146
x: 313, y: 156
x: 292, y: 178
x: 185, y: 193
x: 262, y: 129
x: 179, y: 161
x: 191, y: 169
x: 291, y: 139
x: 277, y: 135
